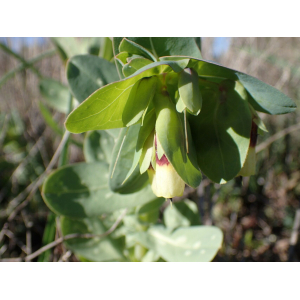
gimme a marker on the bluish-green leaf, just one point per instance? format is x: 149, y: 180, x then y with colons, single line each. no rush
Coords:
x: 185, y: 244
x: 81, y: 190
x: 134, y: 48
x: 98, y: 146
x: 122, y: 160
x: 181, y: 214
x: 221, y: 132
x: 188, y: 87
x: 93, y: 249
x: 55, y: 94
x: 87, y: 73
x: 264, y: 97
x: 169, y: 46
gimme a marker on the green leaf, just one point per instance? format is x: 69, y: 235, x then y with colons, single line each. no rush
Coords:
x: 122, y: 159
x: 188, y: 87
x: 106, y: 50
x: 87, y: 73
x: 185, y: 244
x: 170, y: 133
x: 93, y: 249
x: 71, y: 46
x: 81, y: 190
x: 55, y: 94
x: 104, y: 108
x: 149, y: 212
x: 146, y: 128
x: 119, y: 65
x: 48, y: 236
x: 221, y: 131
x: 140, y: 96
x: 169, y: 46
x: 98, y: 146
x: 134, y: 65
x: 134, y: 48
x: 181, y: 214
x: 147, y: 153
x: 264, y: 97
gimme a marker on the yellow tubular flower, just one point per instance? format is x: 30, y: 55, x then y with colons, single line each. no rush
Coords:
x: 164, y: 180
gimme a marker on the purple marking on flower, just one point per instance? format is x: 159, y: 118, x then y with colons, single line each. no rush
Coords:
x: 163, y: 161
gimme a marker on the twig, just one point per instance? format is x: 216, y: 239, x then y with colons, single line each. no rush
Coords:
x: 23, y: 66
x: 76, y: 235
x: 294, y: 235
x: 34, y: 185
x: 41, y: 177
x: 276, y: 137
x: 20, y: 58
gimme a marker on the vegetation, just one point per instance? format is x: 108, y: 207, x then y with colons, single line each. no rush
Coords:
x: 93, y: 216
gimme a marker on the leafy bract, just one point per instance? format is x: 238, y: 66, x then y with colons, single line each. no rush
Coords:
x: 140, y: 96
x: 94, y: 249
x: 122, y: 160
x: 188, y: 87
x: 81, y: 190
x: 104, y: 108
x: 221, y: 131
x: 135, y: 64
x: 170, y: 134
x: 134, y: 48
x: 87, y: 73
x: 185, y: 244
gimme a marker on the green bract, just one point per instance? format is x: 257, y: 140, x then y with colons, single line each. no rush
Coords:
x: 200, y: 112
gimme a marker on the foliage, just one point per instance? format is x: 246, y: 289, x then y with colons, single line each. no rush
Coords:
x: 205, y: 127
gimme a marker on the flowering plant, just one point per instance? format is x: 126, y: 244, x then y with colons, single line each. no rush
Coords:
x: 160, y: 114
x: 191, y: 115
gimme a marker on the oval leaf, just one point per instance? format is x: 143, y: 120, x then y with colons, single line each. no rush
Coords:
x: 221, y: 132
x: 140, y: 96
x: 104, y: 108
x: 87, y: 73
x: 185, y: 244
x: 81, y: 190
x: 93, y: 249
x: 123, y: 158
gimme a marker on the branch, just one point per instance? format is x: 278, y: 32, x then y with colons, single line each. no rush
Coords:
x: 276, y: 137
x: 69, y: 237
x: 42, y: 176
x: 35, y: 185
x: 23, y: 66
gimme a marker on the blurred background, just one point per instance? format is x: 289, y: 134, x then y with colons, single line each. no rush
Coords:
x: 256, y: 214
